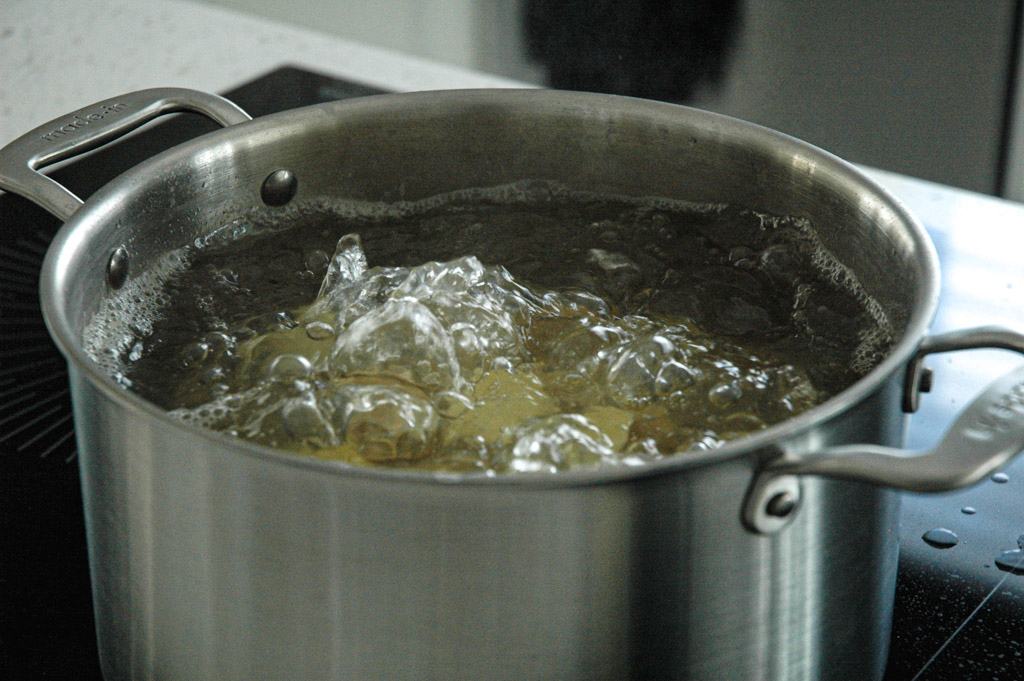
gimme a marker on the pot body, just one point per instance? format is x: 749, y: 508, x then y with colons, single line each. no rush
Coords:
x: 216, y: 559
x: 207, y: 564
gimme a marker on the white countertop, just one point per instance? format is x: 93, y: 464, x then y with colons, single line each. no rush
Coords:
x: 58, y: 56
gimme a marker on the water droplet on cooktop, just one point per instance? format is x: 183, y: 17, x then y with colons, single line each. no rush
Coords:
x: 968, y: 510
x: 1011, y: 561
x: 941, y: 538
x: 1000, y: 477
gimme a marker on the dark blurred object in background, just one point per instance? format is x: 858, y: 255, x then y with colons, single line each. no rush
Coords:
x: 656, y: 49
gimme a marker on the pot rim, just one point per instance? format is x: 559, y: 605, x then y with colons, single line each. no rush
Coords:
x: 102, y: 208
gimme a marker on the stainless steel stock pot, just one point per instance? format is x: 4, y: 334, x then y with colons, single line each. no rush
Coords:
x: 773, y: 557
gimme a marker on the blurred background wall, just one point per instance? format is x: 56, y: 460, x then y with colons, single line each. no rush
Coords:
x: 930, y: 89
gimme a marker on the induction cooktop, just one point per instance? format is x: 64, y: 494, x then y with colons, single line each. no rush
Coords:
x: 959, y: 614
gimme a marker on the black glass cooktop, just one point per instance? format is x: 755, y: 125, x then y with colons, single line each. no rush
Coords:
x: 956, y: 618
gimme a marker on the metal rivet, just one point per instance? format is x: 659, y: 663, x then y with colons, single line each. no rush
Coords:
x: 924, y: 384
x: 279, y: 188
x: 781, y: 505
x: 772, y: 503
x: 117, y: 267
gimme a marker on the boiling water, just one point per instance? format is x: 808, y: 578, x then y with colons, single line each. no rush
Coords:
x: 519, y: 328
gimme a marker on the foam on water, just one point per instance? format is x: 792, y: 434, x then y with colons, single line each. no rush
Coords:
x: 125, y: 317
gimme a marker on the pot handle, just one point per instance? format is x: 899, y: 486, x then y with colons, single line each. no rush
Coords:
x: 91, y: 127
x: 983, y: 438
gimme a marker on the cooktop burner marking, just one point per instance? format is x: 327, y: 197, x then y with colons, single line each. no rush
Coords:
x: 10, y: 266
x: 31, y: 422
x: 26, y: 307
x: 45, y: 431
x: 56, y: 375
x: 34, y: 405
x: 34, y: 365
x: 29, y: 259
x: 20, y: 284
x: 960, y: 628
x: 37, y: 336
x: 39, y: 248
x: 19, y: 413
x: 21, y: 321
x: 26, y: 350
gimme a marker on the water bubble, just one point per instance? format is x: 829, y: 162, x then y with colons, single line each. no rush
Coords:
x: 402, y: 339
x: 218, y: 341
x: 226, y: 278
x: 619, y: 276
x: 503, y: 364
x: 315, y: 259
x: 467, y: 343
x: 241, y: 334
x: 389, y: 425
x: 588, y: 301
x: 342, y: 283
x: 555, y: 443
x: 968, y: 510
x: 212, y: 375
x: 319, y: 330
x: 195, y: 354
x: 941, y: 538
x: 304, y: 423
x: 632, y: 378
x: 780, y: 264
x: 707, y: 442
x: 347, y: 265
x: 743, y: 423
x: 574, y: 344
x: 674, y: 376
x: 724, y: 395
x: 138, y: 328
x: 289, y: 368
x: 285, y: 320
x: 451, y: 404
x: 573, y: 391
x: 742, y: 257
x: 1000, y: 477
x: 480, y: 331
x: 257, y: 354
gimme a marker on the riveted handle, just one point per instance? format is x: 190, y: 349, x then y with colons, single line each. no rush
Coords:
x: 986, y: 435
x: 984, y: 438
x: 91, y: 127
